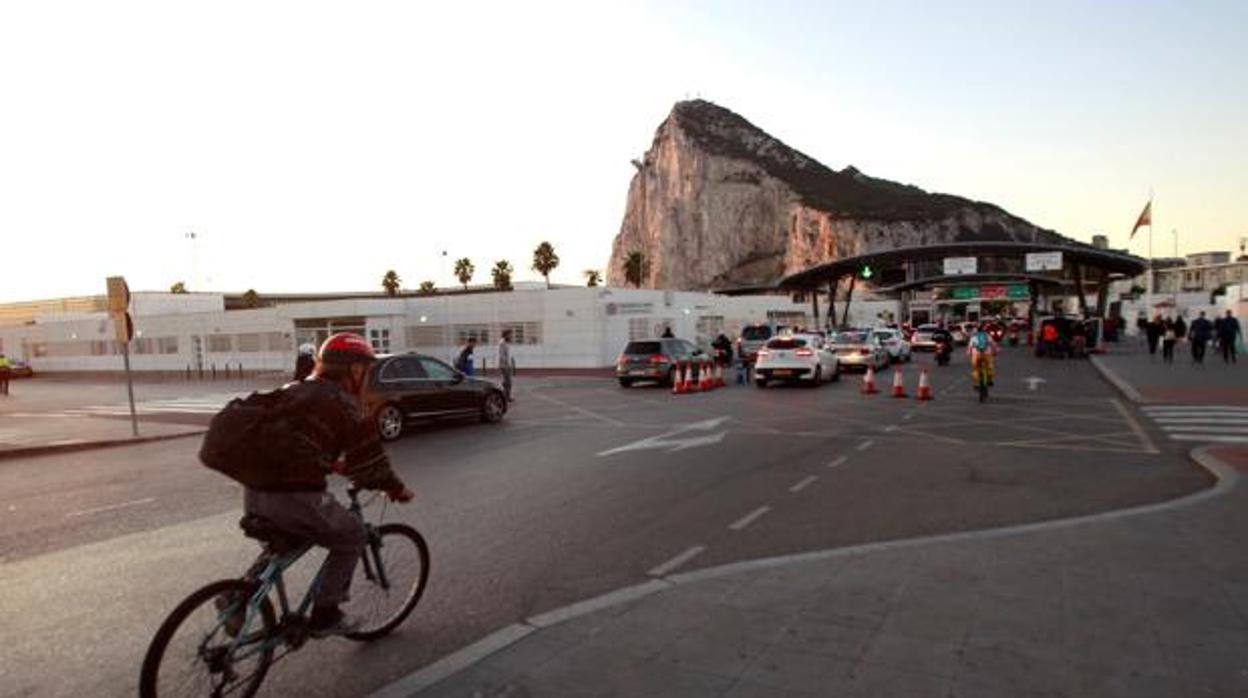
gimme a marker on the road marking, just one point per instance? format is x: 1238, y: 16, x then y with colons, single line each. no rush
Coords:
x: 803, y: 484
x: 677, y: 561
x: 748, y: 518
x: 891, y: 428
x: 1210, y: 437
x: 1201, y: 420
x: 1032, y: 382
x: 838, y: 462
x: 666, y: 441
x: 1193, y: 408
x: 1218, y: 430
x: 1135, y: 426
x: 575, y: 408
x: 908, y: 416
x: 865, y: 445
x: 111, y: 507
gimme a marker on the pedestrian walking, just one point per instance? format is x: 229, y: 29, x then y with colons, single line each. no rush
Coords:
x: 5, y: 369
x: 1229, y: 335
x: 1199, y: 334
x: 1168, y: 337
x: 1153, y: 332
x: 506, y: 364
x: 464, y: 362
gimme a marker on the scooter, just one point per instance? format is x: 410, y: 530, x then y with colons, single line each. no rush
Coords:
x: 943, y: 352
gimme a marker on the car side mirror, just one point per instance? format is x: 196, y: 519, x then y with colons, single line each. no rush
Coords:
x: 459, y: 378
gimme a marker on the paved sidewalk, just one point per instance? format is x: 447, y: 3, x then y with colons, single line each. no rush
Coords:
x: 30, y: 434
x: 1145, y: 378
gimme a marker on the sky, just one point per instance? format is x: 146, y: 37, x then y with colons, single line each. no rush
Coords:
x: 311, y: 146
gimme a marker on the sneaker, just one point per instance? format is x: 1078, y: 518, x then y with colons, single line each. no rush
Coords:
x: 330, y: 620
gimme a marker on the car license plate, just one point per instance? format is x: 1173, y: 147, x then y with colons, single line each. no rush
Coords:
x: 781, y: 372
x: 637, y: 373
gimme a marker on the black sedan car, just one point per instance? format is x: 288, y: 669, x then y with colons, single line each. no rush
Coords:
x: 405, y: 388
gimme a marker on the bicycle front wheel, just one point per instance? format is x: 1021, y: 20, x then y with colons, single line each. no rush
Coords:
x: 210, y: 645
x: 389, y: 581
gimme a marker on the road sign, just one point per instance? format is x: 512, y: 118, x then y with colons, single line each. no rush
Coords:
x: 118, y: 294
x: 1044, y: 261
x: 123, y: 330
x: 958, y: 266
x: 123, y: 327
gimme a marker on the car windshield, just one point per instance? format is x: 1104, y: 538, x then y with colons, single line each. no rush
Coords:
x: 756, y: 333
x: 851, y: 338
x: 786, y: 343
x: 643, y: 348
x: 884, y: 335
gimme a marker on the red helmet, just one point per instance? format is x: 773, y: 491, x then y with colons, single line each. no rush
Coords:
x: 346, y: 348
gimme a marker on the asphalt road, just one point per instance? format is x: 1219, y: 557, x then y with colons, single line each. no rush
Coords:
x: 585, y: 488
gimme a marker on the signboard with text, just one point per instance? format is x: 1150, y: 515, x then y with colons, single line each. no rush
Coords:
x: 1044, y: 261
x: 960, y: 266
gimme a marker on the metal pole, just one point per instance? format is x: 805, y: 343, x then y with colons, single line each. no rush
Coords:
x: 134, y: 417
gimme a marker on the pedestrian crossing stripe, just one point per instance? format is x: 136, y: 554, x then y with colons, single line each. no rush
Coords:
x: 1207, y: 423
x: 207, y: 404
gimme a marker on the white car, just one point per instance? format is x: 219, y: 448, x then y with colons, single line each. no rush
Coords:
x: 799, y: 357
x: 860, y: 349
x: 896, y: 345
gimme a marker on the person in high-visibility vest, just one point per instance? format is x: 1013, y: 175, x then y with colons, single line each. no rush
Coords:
x: 5, y: 368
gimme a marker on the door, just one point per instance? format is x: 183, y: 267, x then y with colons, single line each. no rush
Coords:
x: 401, y: 380
x: 448, y: 390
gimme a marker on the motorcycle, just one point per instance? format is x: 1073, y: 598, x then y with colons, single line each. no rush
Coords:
x: 943, y: 352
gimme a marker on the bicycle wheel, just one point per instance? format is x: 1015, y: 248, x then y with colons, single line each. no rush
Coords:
x: 401, y: 558
x: 202, y: 649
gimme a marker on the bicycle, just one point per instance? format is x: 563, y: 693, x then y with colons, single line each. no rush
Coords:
x: 980, y: 376
x: 233, y: 632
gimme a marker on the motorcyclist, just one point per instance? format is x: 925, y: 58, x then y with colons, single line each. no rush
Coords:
x: 723, y: 350
x: 981, y: 348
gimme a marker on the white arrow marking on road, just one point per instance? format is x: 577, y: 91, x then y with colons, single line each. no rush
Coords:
x: 666, y: 441
x: 1033, y: 381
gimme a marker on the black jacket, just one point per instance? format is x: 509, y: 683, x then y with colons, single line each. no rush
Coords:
x: 329, y: 424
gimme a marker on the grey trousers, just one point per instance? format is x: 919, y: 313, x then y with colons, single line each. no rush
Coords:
x: 507, y: 383
x: 318, y: 517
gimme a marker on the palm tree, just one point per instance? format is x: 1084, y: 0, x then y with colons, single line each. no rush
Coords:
x: 502, y: 275
x: 178, y: 287
x: 636, y: 269
x: 593, y: 277
x: 464, y: 270
x: 390, y: 282
x: 251, y: 299
x: 545, y: 260
x: 427, y: 288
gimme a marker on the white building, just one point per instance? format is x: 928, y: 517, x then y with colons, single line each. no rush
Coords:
x: 557, y: 328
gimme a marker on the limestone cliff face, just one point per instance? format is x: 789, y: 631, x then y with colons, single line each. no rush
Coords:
x: 717, y: 203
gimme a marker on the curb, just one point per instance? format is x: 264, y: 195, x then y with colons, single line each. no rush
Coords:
x: 1118, y: 381
x: 51, y: 449
x: 1226, y: 476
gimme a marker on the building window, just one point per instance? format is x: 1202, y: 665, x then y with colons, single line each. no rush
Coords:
x: 249, y: 343
x: 463, y: 333
x: 523, y: 333
x: 425, y: 335
x: 278, y: 342
x: 168, y: 345
x: 638, y: 328
x: 710, y: 325
x: 380, y: 339
x: 220, y: 344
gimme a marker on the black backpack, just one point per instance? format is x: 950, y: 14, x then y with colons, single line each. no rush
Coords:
x: 254, y: 441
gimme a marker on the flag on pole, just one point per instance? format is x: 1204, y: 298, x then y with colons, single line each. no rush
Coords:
x: 1146, y: 218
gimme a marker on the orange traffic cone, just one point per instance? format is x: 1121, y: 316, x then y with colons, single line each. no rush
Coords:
x: 691, y: 386
x: 719, y: 375
x: 678, y: 381
x: 925, y: 389
x: 707, y: 381
x: 868, y: 382
x: 899, y: 390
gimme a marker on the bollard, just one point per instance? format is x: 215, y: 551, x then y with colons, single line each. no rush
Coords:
x: 201, y: 372
x: 188, y: 372
x: 214, y: 372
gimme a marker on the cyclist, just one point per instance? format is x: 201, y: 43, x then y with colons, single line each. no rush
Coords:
x: 329, y: 417
x: 981, y: 349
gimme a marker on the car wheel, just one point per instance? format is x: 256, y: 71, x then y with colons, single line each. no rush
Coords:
x: 625, y: 382
x: 760, y: 382
x: 671, y: 377
x: 836, y: 374
x: 818, y: 377
x: 493, y: 408
x: 389, y: 423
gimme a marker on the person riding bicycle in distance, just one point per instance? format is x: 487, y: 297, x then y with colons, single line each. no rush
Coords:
x: 981, y: 349
x: 329, y: 417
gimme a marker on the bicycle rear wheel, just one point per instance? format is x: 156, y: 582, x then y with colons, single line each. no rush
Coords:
x: 388, y: 581
x: 203, y: 648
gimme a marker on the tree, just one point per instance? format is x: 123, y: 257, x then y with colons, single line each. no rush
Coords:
x: 593, y: 277
x: 464, y: 271
x: 427, y: 288
x: 502, y: 275
x: 251, y: 299
x: 636, y: 268
x: 178, y: 287
x: 545, y: 260
x: 390, y: 282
